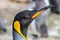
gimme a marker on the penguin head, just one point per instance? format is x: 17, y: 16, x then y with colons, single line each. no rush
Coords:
x: 24, y: 18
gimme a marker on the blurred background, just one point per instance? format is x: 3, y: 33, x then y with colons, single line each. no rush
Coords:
x: 9, y: 8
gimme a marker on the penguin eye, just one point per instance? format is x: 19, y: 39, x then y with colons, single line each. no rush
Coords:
x: 26, y: 17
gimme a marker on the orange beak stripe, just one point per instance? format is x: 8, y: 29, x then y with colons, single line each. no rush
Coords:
x: 37, y: 14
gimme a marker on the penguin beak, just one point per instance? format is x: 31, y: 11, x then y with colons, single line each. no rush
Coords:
x: 41, y: 11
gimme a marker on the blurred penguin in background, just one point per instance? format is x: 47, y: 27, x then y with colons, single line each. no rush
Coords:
x: 39, y: 24
x: 2, y: 26
x: 56, y: 3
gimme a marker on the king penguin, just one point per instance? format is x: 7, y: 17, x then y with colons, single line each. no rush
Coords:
x: 22, y: 20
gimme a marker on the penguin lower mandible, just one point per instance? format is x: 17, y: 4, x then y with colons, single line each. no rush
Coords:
x: 22, y: 21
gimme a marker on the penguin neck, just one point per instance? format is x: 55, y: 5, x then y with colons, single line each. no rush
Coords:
x: 16, y: 36
x: 24, y: 30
